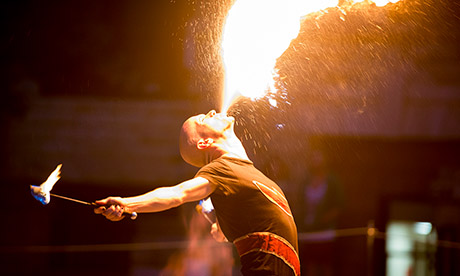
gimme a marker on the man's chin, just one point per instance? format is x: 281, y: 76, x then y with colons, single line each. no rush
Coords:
x: 231, y: 125
x: 230, y: 120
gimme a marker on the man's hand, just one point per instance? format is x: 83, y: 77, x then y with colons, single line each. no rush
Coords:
x: 217, y: 233
x: 115, y: 211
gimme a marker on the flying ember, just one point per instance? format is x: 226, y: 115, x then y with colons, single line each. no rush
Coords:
x: 255, y: 34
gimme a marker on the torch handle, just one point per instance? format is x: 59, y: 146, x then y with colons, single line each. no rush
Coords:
x: 132, y: 215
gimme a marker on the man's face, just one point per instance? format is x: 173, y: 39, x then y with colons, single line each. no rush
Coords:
x: 201, y: 127
x: 213, y: 123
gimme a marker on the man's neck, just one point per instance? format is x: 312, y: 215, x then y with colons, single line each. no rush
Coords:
x: 238, y: 156
x: 231, y: 148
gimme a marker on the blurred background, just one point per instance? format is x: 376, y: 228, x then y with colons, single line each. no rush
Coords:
x: 364, y: 140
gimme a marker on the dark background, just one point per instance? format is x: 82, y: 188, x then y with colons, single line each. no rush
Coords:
x: 98, y: 48
x: 135, y: 50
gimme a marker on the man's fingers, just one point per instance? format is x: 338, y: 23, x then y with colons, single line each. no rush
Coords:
x: 113, y: 213
x: 110, y: 208
x: 102, y: 201
x: 99, y: 210
x: 110, y: 201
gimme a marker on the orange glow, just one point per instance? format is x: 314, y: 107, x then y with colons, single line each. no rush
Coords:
x: 255, y: 34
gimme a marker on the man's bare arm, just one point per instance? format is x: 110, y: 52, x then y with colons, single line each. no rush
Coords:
x: 160, y: 199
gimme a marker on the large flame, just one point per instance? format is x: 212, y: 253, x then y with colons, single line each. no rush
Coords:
x: 255, y: 34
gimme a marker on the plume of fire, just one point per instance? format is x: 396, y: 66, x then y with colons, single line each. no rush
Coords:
x: 255, y: 34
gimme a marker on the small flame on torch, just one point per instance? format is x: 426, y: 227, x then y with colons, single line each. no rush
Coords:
x: 255, y: 34
x: 42, y: 193
x: 205, y: 207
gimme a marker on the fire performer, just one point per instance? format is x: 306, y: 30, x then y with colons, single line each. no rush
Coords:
x: 251, y: 209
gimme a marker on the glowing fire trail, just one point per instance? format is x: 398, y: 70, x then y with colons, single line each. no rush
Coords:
x: 255, y: 34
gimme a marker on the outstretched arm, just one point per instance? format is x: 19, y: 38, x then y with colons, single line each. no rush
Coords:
x: 160, y: 199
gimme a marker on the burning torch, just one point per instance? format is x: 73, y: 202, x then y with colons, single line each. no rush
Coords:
x: 43, y: 193
x: 206, y: 208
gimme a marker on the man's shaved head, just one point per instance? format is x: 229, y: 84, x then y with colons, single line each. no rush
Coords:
x: 188, y: 144
x: 199, y: 135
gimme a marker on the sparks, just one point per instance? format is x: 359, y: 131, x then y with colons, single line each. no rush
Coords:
x: 255, y: 34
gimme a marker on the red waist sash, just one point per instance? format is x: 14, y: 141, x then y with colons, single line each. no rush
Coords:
x: 271, y: 244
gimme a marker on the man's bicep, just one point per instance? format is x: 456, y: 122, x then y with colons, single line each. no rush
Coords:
x: 196, y: 188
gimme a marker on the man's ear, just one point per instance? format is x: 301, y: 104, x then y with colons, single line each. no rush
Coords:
x: 204, y: 143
